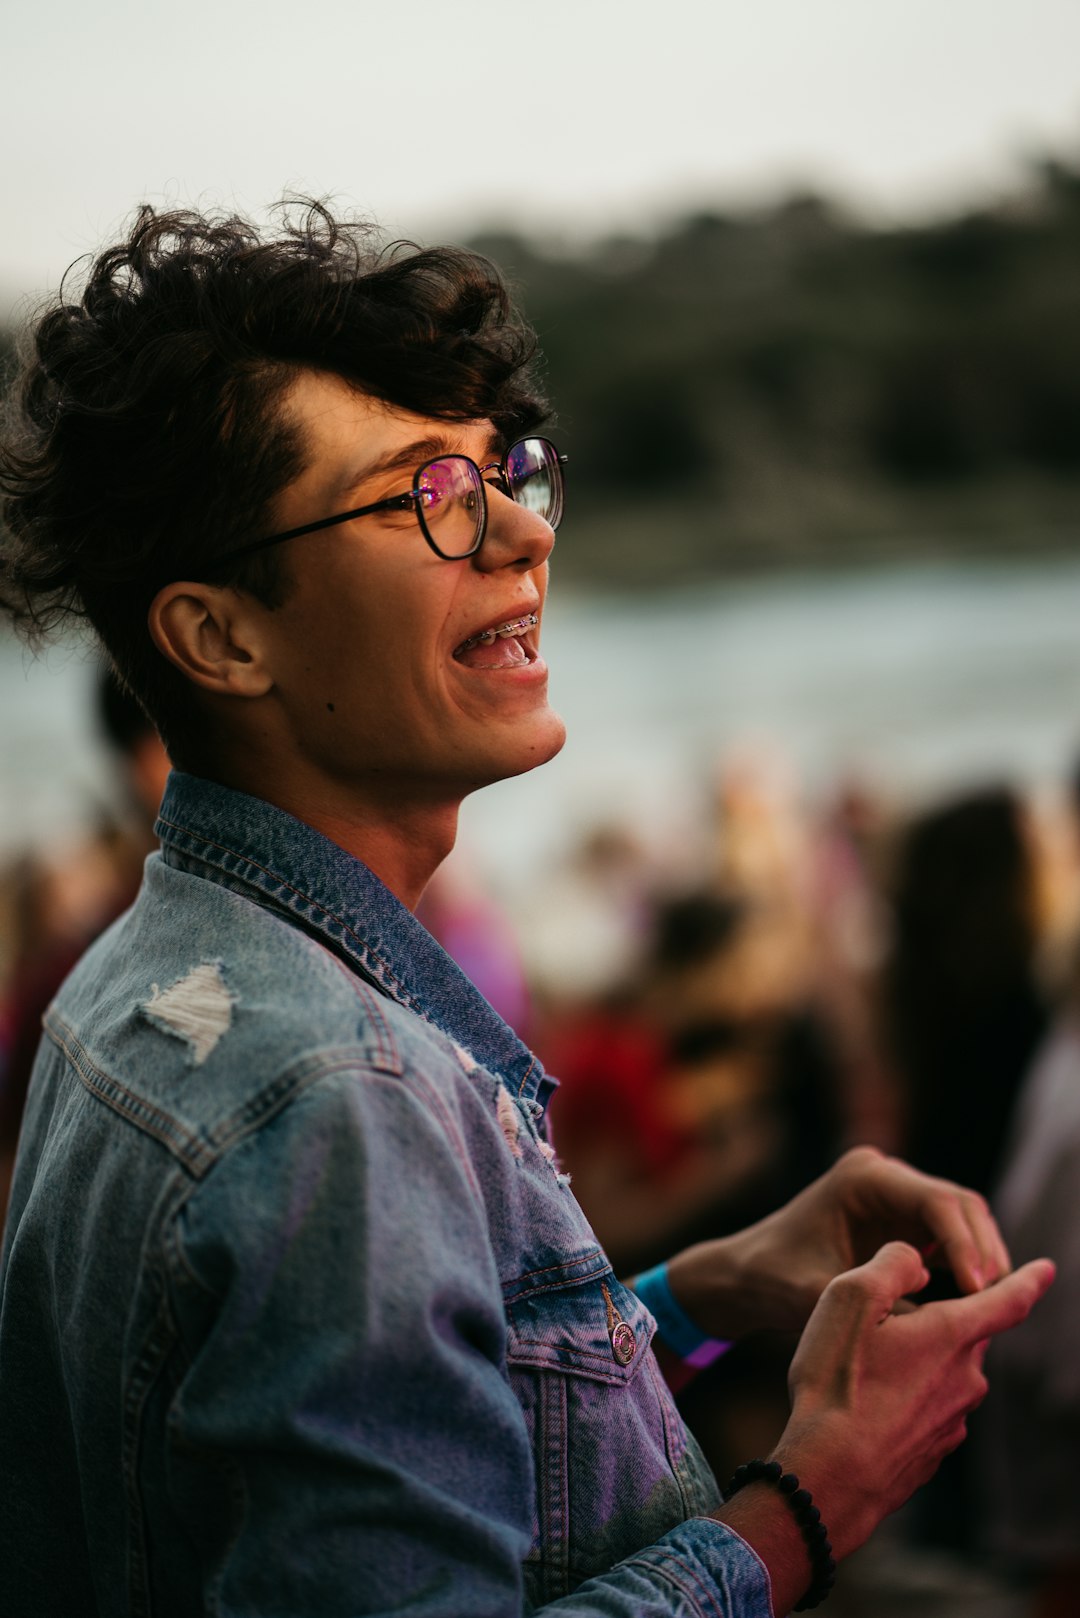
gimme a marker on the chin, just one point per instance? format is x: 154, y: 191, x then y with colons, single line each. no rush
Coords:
x: 545, y: 742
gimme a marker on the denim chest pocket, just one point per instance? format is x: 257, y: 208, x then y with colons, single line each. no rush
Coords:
x: 594, y: 1328
x: 614, y: 1465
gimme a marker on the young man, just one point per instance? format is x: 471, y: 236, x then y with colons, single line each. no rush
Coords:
x: 297, y: 1314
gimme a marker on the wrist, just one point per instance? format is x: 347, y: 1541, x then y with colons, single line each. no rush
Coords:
x: 688, y: 1348
x: 824, y: 1457
x: 807, y: 1519
x: 731, y: 1289
x: 760, y: 1517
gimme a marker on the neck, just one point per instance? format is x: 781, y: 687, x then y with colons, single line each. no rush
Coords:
x: 404, y: 848
x: 402, y: 835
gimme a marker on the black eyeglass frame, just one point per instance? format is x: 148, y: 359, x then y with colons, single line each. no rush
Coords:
x: 414, y: 499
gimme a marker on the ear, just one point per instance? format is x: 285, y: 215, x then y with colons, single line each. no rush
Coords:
x: 211, y: 634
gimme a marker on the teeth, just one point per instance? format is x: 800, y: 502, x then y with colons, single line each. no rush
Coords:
x: 516, y: 626
x: 509, y: 630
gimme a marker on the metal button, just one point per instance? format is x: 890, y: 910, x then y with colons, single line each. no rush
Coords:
x: 623, y: 1343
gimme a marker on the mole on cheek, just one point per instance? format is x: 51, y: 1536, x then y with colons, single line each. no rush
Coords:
x: 329, y: 707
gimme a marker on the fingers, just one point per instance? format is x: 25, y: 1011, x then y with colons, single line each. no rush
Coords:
x: 941, y: 1217
x: 965, y: 1235
x: 1002, y: 1306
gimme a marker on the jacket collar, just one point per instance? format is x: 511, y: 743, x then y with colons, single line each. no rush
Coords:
x: 285, y: 865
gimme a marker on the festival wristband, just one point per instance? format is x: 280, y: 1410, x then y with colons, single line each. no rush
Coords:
x: 676, y: 1328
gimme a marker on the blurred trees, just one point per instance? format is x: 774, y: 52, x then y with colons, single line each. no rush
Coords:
x: 793, y: 385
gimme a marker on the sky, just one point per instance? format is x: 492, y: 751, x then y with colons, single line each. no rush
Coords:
x: 568, y: 119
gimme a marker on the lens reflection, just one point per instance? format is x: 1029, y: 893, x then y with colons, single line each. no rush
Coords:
x: 535, y: 478
x: 451, y: 505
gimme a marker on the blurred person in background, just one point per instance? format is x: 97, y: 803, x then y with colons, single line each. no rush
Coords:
x: 847, y: 904
x: 814, y: 876
x: 585, y: 934
x: 697, y: 1101
x: 297, y: 1313
x: 964, y: 1005
x: 65, y: 901
x: 701, y: 1096
x: 965, y: 1012
x: 1029, y: 1434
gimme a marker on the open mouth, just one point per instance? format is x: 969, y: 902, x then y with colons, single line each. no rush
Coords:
x: 501, y: 646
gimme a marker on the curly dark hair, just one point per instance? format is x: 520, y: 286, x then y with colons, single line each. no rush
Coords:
x: 144, y: 438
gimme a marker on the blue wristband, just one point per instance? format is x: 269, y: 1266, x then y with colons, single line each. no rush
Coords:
x: 680, y: 1334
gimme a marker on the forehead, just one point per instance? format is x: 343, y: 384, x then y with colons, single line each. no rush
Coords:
x: 350, y: 438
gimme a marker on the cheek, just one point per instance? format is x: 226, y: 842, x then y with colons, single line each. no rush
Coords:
x: 377, y: 679
x: 373, y: 642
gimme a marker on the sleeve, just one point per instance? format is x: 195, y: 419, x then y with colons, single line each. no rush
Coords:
x: 344, y: 1438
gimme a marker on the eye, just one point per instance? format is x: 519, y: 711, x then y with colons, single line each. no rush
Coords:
x: 437, y: 483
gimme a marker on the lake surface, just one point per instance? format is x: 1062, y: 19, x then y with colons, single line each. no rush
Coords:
x: 920, y: 678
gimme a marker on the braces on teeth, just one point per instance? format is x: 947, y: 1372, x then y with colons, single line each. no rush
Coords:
x: 503, y: 632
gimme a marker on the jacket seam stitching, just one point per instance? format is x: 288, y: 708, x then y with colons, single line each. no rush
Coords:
x: 152, y: 1355
x: 188, y: 1149
x: 597, y: 1259
x: 434, y: 1101
x: 669, y: 1446
x: 663, y: 1562
x: 201, y: 1155
x: 602, y: 1359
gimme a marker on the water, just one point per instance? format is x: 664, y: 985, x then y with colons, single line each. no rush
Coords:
x: 921, y: 678
x: 53, y: 773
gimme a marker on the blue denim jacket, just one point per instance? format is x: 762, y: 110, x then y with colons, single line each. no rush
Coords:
x: 298, y: 1316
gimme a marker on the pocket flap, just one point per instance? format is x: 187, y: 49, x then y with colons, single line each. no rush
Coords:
x: 596, y: 1328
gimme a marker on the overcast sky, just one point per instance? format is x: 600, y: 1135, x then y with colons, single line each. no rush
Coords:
x: 565, y: 117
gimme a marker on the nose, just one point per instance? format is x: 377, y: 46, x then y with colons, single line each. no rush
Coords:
x: 515, y: 536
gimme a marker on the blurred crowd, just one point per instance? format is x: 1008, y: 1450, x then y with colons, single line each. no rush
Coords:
x: 726, y: 1013
x: 731, y: 1007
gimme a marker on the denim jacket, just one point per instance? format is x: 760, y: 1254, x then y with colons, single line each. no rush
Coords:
x: 298, y: 1316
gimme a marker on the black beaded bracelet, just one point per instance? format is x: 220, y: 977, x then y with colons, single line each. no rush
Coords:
x: 808, y: 1517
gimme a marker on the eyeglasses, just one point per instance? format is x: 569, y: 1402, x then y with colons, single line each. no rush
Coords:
x: 449, y: 497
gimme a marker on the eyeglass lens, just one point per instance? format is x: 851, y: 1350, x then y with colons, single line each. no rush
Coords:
x: 451, y: 506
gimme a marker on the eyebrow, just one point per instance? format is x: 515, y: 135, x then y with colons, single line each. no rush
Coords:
x: 407, y: 459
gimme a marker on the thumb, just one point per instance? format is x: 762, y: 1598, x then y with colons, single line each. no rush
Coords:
x: 1004, y: 1304
x: 895, y: 1270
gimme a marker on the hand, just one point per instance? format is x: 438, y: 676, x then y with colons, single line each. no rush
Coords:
x: 881, y: 1390
x: 772, y: 1275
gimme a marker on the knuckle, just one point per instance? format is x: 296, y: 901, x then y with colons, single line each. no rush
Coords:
x: 849, y: 1289
x: 954, y: 1437
x: 980, y: 1387
x: 858, y: 1158
x: 944, y: 1200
